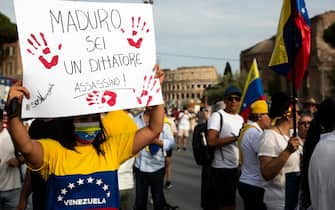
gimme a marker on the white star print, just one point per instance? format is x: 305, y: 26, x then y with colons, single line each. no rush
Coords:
x: 105, y: 187
x: 60, y: 198
x: 80, y: 181
x: 99, y: 182
x: 90, y: 180
x: 63, y: 191
x: 71, y: 186
x: 303, y: 10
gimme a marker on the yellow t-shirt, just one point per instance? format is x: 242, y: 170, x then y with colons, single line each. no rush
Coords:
x: 82, y: 179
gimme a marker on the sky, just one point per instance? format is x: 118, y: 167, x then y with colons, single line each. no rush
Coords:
x: 212, y: 32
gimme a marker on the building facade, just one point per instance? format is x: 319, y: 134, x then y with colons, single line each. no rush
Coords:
x: 316, y: 82
x: 10, y: 57
x: 186, y: 85
x: 10, y: 69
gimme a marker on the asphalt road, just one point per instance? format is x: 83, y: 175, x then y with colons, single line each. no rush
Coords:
x: 186, y: 181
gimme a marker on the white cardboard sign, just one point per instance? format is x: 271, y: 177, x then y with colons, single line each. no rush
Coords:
x: 86, y: 57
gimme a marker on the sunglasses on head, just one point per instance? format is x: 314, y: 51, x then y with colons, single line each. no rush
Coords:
x: 231, y: 98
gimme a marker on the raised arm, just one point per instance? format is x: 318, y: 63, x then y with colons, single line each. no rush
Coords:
x: 147, y: 134
x: 31, y: 150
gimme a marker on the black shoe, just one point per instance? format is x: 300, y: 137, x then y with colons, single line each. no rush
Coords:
x: 184, y: 148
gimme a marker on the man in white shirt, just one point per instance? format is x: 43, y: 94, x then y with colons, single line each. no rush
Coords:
x: 321, y: 171
x: 250, y: 185
x: 226, y: 157
x: 184, y: 127
x: 10, y: 183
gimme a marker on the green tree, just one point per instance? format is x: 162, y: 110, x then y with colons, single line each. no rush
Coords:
x: 329, y: 35
x: 215, y: 93
x: 8, y: 30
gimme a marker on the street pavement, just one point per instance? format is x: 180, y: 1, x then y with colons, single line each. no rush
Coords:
x: 186, y: 181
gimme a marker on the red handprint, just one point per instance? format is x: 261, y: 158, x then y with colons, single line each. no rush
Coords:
x: 108, y: 97
x: 139, y: 28
x: 147, y: 89
x: 44, y: 51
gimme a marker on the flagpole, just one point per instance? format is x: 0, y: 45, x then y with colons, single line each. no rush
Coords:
x: 294, y: 102
x: 294, y: 92
x: 290, y: 58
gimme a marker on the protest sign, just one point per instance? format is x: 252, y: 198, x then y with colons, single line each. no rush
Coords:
x: 86, y: 57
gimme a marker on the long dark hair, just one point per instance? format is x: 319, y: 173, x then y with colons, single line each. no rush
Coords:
x: 280, y: 103
x: 324, y: 121
x: 101, y: 138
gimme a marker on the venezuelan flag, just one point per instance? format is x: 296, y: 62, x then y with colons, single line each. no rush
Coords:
x: 293, y: 41
x: 252, y: 91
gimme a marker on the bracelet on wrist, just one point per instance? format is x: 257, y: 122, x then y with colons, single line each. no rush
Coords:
x: 13, y: 108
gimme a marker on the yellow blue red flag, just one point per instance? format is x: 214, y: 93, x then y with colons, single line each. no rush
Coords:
x: 252, y: 91
x: 293, y: 41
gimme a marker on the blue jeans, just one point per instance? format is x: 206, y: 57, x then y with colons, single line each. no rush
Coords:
x: 9, y: 199
x: 154, y: 180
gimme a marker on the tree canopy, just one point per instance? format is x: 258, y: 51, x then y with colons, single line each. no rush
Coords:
x: 215, y: 93
x: 8, y: 30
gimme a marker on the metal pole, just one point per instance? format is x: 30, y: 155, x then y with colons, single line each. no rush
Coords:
x: 294, y: 92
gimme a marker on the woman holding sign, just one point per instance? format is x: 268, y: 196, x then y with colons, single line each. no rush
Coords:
x: 81, y: 168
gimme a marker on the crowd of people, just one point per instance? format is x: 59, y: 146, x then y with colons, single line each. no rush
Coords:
x: 100, y: 160
x: 112, y: 160
x: 263, y: 159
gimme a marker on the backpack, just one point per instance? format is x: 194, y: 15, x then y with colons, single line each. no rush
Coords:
x: 203, y: 154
